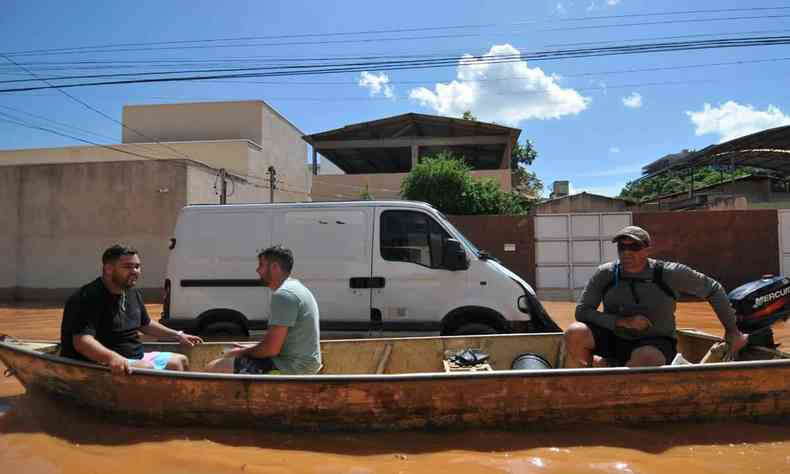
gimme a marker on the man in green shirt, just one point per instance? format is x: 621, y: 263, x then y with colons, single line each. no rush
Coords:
x: 291, y: 344
x: 637, y: 325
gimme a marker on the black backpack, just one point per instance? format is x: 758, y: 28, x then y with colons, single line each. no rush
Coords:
x: 658, y: 279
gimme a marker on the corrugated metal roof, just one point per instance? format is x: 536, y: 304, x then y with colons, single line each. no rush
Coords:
x: 769, y: 149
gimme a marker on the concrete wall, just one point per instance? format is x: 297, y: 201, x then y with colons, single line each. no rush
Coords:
x: 287, y: 151
x: 194, y: 121
x: 58, y: 219
x: 9, y: 235
x: 230, y: 154
x: 276, y: 141
x: 491, y: 233
x: 237, y: 156
x: 68, y: 215
x: 200, y: 190
x: 380, y: 185
x: 732, y: 246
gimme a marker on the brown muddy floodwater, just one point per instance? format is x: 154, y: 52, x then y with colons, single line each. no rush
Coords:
x: 37, y: 436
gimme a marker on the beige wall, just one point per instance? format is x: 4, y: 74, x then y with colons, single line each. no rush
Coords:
x: 286, y: 150
x: 193, y: 121
x: 9, y: 213
x: 241, y: 157
x: 380, y: 185
x: 200, y: 190
x: 230, y: 154
x: 276, y: 141
x: 68, y: 214
x: 58, y: 218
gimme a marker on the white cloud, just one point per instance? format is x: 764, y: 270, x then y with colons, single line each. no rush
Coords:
x: 561, y: 9
x: 633, y: 101
x: 733, y: 120
x: 505, y: 92
x: 595, y: 5
x: 614, y: 149
x: 376, y: 84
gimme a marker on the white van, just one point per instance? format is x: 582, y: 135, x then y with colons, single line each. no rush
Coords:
x: 394, y: 267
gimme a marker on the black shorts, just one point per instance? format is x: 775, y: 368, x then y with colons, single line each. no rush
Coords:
x: 254, y: 366
x: 609, y: 346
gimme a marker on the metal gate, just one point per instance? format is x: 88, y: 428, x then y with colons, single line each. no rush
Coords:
x: 569, y: 247
x: 784, y: 241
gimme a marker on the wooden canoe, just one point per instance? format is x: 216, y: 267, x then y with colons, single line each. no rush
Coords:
x: 403, y: 383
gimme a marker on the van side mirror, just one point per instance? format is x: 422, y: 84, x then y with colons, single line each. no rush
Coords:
x: 454, y: 257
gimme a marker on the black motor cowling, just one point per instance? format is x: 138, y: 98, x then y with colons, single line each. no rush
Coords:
x: 759, y: 304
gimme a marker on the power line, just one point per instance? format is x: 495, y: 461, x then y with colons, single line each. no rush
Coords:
x: 492, y: 79
x: 510, y: 78
x: 504, y: 93
x: 89, y: 107
x: 445, y: 62
x: 238, y: 175
x: 121, y: 64
x: 656, y: 38
x: 16, y: 121
x: 114, y: 47
x: 397, y: 39
x: 74, y: 127
x: 505, y: 78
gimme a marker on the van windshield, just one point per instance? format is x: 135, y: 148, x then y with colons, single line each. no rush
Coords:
x: 460, y: 234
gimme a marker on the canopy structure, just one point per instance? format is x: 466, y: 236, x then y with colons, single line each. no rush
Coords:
x: 395, y: 144
x: 769, y: 149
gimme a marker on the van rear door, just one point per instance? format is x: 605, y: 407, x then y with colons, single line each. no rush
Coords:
x: 332, y: 257
x: 214, y: 261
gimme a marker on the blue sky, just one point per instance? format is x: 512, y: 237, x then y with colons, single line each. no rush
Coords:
x: 594, y: 121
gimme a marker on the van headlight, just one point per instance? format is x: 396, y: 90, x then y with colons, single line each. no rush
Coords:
x: 523, y: 305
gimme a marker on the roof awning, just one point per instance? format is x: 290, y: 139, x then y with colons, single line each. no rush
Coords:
x: 769, y: 149
x: 388, y: 145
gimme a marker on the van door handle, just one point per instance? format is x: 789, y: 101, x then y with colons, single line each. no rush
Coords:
x: 358, y: 283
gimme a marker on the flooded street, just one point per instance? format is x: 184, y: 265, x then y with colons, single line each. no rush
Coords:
x: 37, y: 436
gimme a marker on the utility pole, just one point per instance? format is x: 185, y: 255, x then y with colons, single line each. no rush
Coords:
x: 223, y: 187
x: 272, y: 182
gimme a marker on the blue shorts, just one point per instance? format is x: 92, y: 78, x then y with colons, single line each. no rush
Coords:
x: 158, y: 359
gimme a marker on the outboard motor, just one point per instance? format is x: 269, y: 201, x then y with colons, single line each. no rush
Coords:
x: 759, y: 305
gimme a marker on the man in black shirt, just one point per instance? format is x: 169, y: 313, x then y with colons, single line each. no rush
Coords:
x: 102, y: 319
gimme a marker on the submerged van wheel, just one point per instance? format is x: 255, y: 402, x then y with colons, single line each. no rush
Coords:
x: 223, y: 330
x: 469, y: 329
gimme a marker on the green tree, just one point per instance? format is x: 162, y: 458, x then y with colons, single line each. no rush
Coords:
x: 445, y: 182
x: 525, y: 182
x: 468, y: 115
x: 523, y: 155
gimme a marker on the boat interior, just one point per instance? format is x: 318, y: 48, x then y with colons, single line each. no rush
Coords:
x: 455, y: 354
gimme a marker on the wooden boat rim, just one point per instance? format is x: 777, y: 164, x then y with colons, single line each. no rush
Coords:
x: 424, y: 376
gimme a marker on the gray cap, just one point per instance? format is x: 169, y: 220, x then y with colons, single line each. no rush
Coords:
x: 633, y: 232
